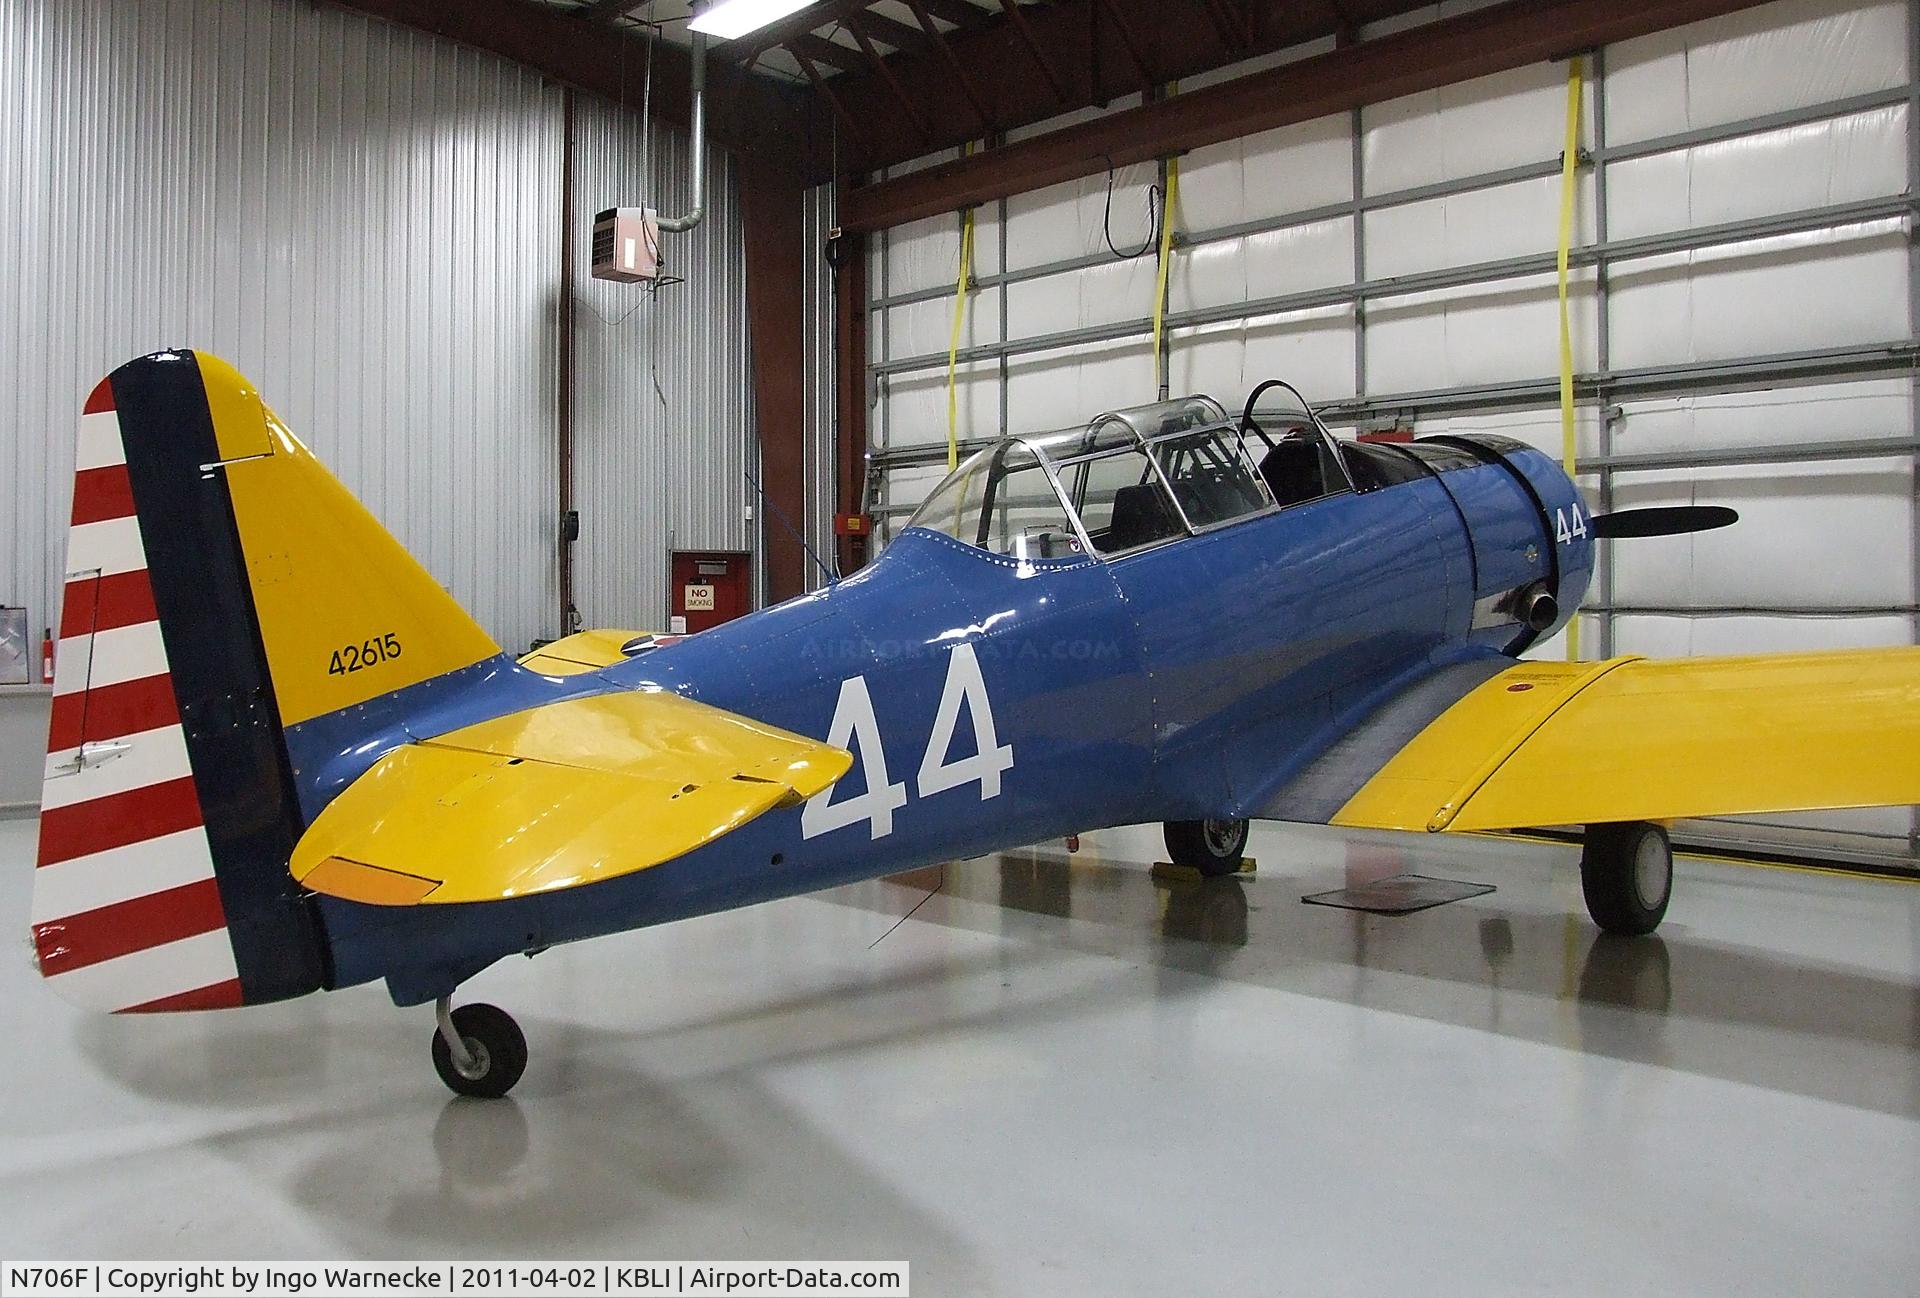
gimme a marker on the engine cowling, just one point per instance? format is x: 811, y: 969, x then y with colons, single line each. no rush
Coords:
x: 1530, y: 535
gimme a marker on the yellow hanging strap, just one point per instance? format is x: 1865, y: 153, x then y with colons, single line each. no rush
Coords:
x: 1169, y: 203
x: 1570, y: 160
x: 953, y: 343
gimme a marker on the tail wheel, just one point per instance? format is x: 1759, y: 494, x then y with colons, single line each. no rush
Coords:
x: 493, y: 1051
x: 1213, y: 847
x: 1626, y: 872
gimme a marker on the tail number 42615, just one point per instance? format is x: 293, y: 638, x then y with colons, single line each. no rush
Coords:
x: 855, y: 728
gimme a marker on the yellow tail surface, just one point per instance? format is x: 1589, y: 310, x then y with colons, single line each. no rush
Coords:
x: 345, y: 613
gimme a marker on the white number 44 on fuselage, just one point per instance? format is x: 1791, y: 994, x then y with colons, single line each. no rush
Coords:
x: 856, y: 728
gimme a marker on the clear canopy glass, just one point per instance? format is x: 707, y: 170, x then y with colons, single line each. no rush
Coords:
x: 1276, y: 408
x: 1129, y: 479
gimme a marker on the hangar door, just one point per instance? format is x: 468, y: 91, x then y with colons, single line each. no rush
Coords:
x: 1743, y: 306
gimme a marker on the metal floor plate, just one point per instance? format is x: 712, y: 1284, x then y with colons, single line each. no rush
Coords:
x: 1402, y: 894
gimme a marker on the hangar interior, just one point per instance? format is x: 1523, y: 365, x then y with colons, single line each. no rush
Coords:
x: 1044, y: 1071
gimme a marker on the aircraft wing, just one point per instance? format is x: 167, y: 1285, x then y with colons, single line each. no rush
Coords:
x: 1542, y: 743
x: 583, y: 651
x: 557, y: 796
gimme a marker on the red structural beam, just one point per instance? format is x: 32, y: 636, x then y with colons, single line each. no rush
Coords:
x: 773, y: 207
x: 1436, y: 54
x: 850, y: 394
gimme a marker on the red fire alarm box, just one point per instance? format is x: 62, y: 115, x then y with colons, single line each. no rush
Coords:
x: 708, y: 587
x: 852, y: 524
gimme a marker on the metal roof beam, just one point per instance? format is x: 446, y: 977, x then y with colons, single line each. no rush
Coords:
x: 605, y: 11
x: 960, y: 13
x: 762, y: 118
x: 811, y: 19
x: 1083, y: 62
x: 906, y: 101
x: 889, y: 31
x: 1435, y: 54
x: 959, y: 69
x: 822, y: 50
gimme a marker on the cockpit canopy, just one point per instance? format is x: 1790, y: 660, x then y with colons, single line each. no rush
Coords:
x: 1136, y: 478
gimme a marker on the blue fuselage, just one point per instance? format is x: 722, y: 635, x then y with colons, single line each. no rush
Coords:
x: 991, y: 703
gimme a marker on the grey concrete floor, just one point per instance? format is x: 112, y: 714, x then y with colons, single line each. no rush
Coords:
x: 1060, y: 1076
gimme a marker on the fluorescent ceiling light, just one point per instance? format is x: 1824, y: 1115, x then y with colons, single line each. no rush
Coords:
x: 729, y: 19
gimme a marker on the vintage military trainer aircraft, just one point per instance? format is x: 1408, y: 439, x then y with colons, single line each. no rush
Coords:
x: 282, y: 759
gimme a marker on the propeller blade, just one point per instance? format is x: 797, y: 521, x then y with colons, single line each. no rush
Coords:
x: 1671, y: 520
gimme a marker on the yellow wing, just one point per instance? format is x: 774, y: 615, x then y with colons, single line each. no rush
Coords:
x: 583, y: 651
x: 1636, y: 739
x: 555, y: 797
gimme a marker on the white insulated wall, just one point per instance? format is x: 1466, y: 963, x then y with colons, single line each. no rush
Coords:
x: 1766, y: 116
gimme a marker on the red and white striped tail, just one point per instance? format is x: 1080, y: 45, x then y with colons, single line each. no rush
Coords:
x: 126, y: 908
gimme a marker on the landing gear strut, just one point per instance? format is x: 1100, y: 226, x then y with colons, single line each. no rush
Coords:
x: 1213, y: 847
x: 478, y: 1050
x: 1626, y: 872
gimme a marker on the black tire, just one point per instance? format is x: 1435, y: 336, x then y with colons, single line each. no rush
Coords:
x: 496, y: 1042
x: 1626, y: 872
x: 1213, y: 847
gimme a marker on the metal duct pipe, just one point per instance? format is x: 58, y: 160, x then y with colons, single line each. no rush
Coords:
x: 698, y: 212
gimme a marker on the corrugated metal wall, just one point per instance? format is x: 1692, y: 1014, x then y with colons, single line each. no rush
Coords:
x: 664, y: 423
x: 362, y: 218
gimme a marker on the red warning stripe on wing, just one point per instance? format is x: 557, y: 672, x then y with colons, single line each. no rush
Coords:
x: 112, y: 711
x: 107, y: 603
x: 100, y: 400
x: 128, y: 926
x: 101, y: 494
x: 67, y: 833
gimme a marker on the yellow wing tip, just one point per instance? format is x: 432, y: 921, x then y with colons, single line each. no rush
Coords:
x: 814, y: 771
x: 581, y: 652
x: 374, y: 885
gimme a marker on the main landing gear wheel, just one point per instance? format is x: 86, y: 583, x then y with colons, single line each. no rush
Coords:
x: 1213, y: 847
x: 1627, y: 873
x: 478, y: 1050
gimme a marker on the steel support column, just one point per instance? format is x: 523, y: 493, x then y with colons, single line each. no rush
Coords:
x: 563, y: 415
x: 850, y: 394
x: 773, y: 213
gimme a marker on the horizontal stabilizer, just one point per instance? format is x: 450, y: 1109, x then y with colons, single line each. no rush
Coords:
x: 558, y: 796
x: 581, y: 652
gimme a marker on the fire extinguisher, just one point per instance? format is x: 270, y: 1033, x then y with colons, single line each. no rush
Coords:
x: 46, y: 657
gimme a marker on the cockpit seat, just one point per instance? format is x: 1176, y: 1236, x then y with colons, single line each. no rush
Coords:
x: 1140, y: 516
x: 1293, y: 472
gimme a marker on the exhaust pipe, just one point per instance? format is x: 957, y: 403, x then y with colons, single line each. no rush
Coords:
x: 1537, y: 607
x: 698, y: 212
